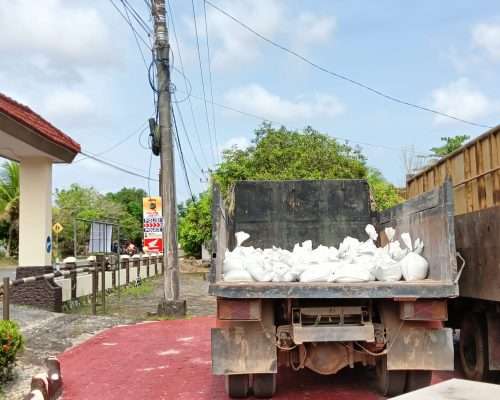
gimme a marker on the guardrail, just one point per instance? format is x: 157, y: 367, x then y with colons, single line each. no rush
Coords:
x: 81, y: 278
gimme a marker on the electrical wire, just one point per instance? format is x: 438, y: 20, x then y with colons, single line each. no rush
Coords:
x: 181, y: 155
x: 210, y: 77
x: 129, y: 24
x: 215, y: 154
x: 139, y: 130
x: 343, y: 77
x: 261, y: 118
x: 143, y: 24
x: 113, y: 165
x: 187, y: 136
x: 149, y: 173
x: 193, y: 118
x: 136, y: 37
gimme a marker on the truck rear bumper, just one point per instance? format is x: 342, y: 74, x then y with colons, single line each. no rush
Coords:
x: 324, y: 290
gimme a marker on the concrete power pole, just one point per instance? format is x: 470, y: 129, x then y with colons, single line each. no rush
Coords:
x: 171, y: 304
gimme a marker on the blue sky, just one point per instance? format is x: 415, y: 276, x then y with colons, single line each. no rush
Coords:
x: 78, y: 65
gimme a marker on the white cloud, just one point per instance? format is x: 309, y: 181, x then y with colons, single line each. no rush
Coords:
x: 67, y: 106
x: 314, y: 29
x: 486, y: 36
x: 233, y: 45
x: 56, y: 34
x: 461, y: 99
x: 239, y: 142
x: 256, y: 99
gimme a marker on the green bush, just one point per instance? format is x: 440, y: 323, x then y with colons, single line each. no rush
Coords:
x: 11, y: 342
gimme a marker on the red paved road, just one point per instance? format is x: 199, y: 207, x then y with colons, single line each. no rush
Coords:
x: 171, y: 360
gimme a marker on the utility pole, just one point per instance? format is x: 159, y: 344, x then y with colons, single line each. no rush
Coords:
x: 171, y: 305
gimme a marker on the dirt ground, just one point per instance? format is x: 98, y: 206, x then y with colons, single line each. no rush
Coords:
x: 48, y: 333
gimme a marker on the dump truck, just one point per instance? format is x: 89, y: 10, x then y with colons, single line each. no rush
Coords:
x: 397, y: 328
x: 474, y: 171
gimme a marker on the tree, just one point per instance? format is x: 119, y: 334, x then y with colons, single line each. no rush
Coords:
x: 89, y: 204
x: 195, y: 223
x: 9, y: 201
x: 385, y: 194
x: 280, y: 154
x: 131, y: 200
x: 450, y: 145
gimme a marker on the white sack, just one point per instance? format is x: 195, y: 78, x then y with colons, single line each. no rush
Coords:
x: 414, y: 267
x: 371, y: 232
x: 348, y: 273
x: 232, y: 262
x: 388, y: 272
x: 238, y: 275
x: 241, y: 237
x: 406, y: 238
x: 418, y: 246
x: 317, y: 273
x: 390, y: 233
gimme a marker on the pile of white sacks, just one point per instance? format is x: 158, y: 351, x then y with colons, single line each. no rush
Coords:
x: 353, y: 261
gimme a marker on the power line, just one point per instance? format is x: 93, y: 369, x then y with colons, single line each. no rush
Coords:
x: 135, y: 37
x: 340, y: 76
x: 143, y: 24
x: 210, y: 76
x: 261, y: 118
x: 140, y: 129
x: 129, y: 24
x: 117, y: 167
x: 186, y: 135
x: 193, y: 170
x: 181, y: 154
x: 215, y: 154
x: 193, y: 118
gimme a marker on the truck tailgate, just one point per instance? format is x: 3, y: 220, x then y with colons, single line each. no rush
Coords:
x: 338, y: 207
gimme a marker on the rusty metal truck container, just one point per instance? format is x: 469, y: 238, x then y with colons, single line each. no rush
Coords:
x: 395, y: 326
x: 474, y: 171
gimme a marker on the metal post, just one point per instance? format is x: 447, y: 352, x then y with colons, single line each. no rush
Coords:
x: 94, y: 289
x: 74, y: 239
x: 119, y: 263
x: 6, y: 298
x: 103, y: 284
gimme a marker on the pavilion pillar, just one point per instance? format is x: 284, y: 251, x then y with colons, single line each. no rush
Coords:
x: 35, y: 213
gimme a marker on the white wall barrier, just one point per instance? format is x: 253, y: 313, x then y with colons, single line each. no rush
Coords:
x: 142, y: 266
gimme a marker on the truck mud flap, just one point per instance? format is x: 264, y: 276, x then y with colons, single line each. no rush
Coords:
x: 245, y: 347
x: 421, y: 348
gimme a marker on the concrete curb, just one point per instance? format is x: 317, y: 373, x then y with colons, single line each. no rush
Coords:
x: 48, y: 385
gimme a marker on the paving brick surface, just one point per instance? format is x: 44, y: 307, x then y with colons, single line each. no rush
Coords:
x: 171, y: 360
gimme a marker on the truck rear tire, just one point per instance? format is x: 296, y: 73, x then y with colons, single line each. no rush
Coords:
x: 264, y: 385
x: 418, y: 379
x: 390, y: 383
x: 237, y: 386
x: 473, y: 347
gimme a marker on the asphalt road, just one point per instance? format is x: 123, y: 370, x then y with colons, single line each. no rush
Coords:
x: 8, y: 271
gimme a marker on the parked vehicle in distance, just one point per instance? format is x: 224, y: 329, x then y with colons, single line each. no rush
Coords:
x: 395, y: 326
x: 474, y: 170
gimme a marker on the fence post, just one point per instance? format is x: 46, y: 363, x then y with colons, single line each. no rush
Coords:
x: 94, y: 288
x: 6, y: 298
x: 147, y: 266
x: 127, y: 270
x: 101, y: 262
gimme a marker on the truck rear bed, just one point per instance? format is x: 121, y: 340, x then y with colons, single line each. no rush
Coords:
x: 284, y: 213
